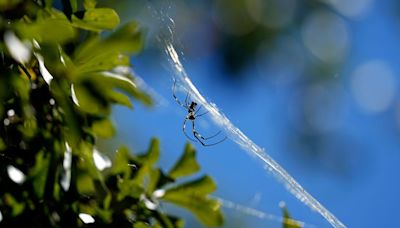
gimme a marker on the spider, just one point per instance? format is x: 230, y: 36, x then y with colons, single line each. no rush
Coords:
x: 191, y: 116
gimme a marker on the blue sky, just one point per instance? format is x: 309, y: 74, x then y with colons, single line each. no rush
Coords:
x: 356, y: 175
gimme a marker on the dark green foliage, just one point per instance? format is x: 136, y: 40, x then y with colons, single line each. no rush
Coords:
x: 57, y: 91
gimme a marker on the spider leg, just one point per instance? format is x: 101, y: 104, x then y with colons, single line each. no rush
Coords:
x: 184, y: 131
x: 199, y: 137
x: 207, y: 138
x: 187, y: 100
x: 195, y: 113
x: 202, y: 114
x: 176, y: 98
x: 218, y: 142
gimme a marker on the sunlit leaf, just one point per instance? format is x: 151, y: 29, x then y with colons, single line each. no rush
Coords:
x: 102, y: 62
x: 152, y: 155
x: 205, y: 209
x: 121, y: 163
x: 103, y: 128
x: 193, y: 196
x: 129, y: 188
x: 85, y: 185
x: 288, y: 222
x: 97, y: 19
x: 186, y: 164
x: 141, y: 225
x: 147, y: 160
x: 50, y: 130
x: 125, y: 84
x: 204, y: 185
x: 127, y: 39
x: 169, y: 221
x: 48, y: 30
x: 86, y: 163
x: 89, y: 100
x: 89, y: 4
x: 154, y: 176
x: 119, y: 98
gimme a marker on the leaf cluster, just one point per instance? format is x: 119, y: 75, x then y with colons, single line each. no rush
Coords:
x: 61, y: 72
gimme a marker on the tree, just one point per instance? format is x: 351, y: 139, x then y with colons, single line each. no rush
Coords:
x: 60, y: 75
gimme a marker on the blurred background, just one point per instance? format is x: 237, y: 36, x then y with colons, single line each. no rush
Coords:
x: 313, y: 82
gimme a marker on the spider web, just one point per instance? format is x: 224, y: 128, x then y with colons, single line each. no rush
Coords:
x: 234, y: 133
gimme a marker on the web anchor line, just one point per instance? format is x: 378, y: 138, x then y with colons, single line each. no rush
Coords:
x: 237, y: 136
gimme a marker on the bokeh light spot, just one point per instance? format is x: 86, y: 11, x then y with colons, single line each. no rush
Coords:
x: 353, y: 8
x: 373, y: 85
x: 326, y: 36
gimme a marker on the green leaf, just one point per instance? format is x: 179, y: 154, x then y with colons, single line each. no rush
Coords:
x: 107, y: 200
x: 39, y: 173
x: 2, y: 145
x: 103, y: 128
x: 154, y: 177
x: 152, y: 155
x: 204, y: 185
x: 187, y: 163
x: 147, y: 161
x: 48, y: 3
x: 103, y: 61
x: 126, y: 40
x: 85, y: 185
x: 51, y: 30
x: 122, y: 165
x: 205, y: 209
x: 90, y: 100
x: 129, y: 187
x: 97, y: 19
x: 74, y: 5
x: 89, y: 4
x: 288, y: 222
x: 119, y: 98
x: 141, y: 225
x: 16, y: 207
x: 125, y: 84
x: 96, y: 92
x: 168, y: 221
x: 193, y: 196
x: 86, y: 161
